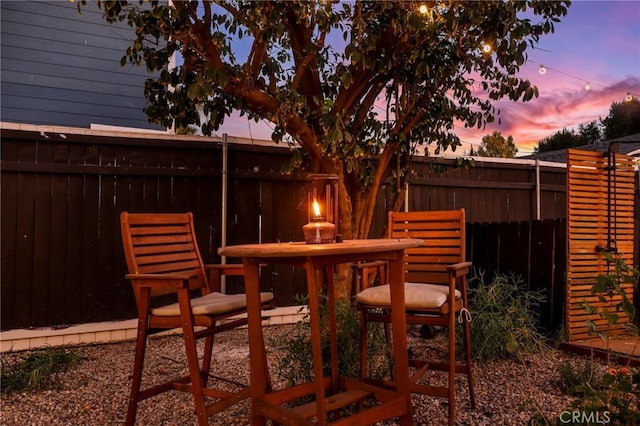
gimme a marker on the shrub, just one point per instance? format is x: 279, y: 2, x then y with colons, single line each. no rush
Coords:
x: 575, y: 379
x: 296, y: 363
x: 504, y: 319
x: 38, y: 371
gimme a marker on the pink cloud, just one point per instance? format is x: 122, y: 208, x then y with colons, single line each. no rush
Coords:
x: 554, y: 110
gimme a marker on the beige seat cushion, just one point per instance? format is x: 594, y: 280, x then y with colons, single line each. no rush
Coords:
x: 416, y: 295
x: 211, y: 304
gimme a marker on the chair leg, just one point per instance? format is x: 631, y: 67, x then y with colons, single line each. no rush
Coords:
x: 138, y: 361
x: 467, y: 337
x: 138, y: 365
x: 452, y: 368
x: 206, y: 359
x: 195, y: 374
x: 194, y: 370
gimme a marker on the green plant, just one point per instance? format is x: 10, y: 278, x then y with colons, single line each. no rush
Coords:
x: 575, y: 379
x: 38, y: 371
x: 616, y: 392
x: 609, y: 287
x: 560, y: 335
x: 295, y: 365
x: 504, y: 319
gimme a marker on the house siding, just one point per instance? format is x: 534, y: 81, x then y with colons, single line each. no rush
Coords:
x: 60, y: 67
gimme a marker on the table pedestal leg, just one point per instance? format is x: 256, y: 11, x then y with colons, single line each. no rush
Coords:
x: 316, y: 343
x: 399, y: 322
x: 260, y: 380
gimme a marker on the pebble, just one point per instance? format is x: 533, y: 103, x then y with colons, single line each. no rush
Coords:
x: 96, y: 391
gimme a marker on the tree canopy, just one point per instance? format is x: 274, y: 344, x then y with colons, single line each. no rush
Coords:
x: 357, y: 85
x: 571, y: 138
x: 495, y: 145
x: 623, y: 119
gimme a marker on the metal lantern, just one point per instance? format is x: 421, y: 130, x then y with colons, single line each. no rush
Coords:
x: 322, y: 209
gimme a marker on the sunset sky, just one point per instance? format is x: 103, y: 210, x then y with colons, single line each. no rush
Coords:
x: 598, y: 43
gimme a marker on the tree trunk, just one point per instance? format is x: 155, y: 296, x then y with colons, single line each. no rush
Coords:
x: 350, y: 220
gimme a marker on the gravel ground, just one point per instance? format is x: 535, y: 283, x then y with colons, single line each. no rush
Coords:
x: 96, y: 391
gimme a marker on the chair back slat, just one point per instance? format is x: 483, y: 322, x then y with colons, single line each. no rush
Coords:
x: 443, y: 233
x: 162, y: 243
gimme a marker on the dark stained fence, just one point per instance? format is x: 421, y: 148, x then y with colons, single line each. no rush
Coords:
x: 489, y: 191
x: 534, y: 252
x: 62, y: 194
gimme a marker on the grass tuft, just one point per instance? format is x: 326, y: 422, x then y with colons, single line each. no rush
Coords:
x: 37, y: 371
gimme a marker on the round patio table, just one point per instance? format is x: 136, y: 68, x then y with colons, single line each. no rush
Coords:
x: 333, y: 392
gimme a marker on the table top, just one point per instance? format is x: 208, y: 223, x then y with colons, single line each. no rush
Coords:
x: 302, y: 249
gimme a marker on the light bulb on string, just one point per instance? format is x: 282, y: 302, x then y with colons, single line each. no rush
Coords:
x: 423, y: 9
x: 486, y: 47
x: 587, y: 86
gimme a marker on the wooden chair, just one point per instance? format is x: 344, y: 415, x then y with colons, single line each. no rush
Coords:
x: 163, y: 258
x: 435, y: 293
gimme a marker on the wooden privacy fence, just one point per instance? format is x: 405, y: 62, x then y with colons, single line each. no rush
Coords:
x: 535, y: 252
x: 62, y: 194
x: 63, y: 190
x: 601, y: 200
x: 496, y: 190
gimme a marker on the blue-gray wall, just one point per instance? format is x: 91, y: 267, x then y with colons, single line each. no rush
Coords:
x: 59, y: 67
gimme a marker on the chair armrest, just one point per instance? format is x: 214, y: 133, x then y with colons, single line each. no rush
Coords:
x: 364, y: 270
x: 458, y: 269
x: 216, y: 271
x: 169, y: 276
x: 363, y: 265
x: 173, y: 280
x: 227, y: 269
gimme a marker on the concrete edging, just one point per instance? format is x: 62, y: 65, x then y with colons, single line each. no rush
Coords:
x: 111, y: 331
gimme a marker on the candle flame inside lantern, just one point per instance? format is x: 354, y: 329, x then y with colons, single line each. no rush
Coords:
x: 316, y: 208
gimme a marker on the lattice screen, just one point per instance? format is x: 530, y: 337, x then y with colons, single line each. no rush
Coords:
x: 599, y: 214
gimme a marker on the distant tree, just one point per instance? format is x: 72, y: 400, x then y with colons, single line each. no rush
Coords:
x: 586, y: 134
x: 590, y: 132
x: 623, y: 119
x: 495, y: 145
x: 561, y: 139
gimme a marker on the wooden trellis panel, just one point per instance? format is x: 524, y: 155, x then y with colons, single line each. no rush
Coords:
x: 599, y: 214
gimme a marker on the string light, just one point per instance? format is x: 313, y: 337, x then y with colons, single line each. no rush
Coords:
x: 587, y: 87
x: 486, y: 47
x: 423, y: 9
